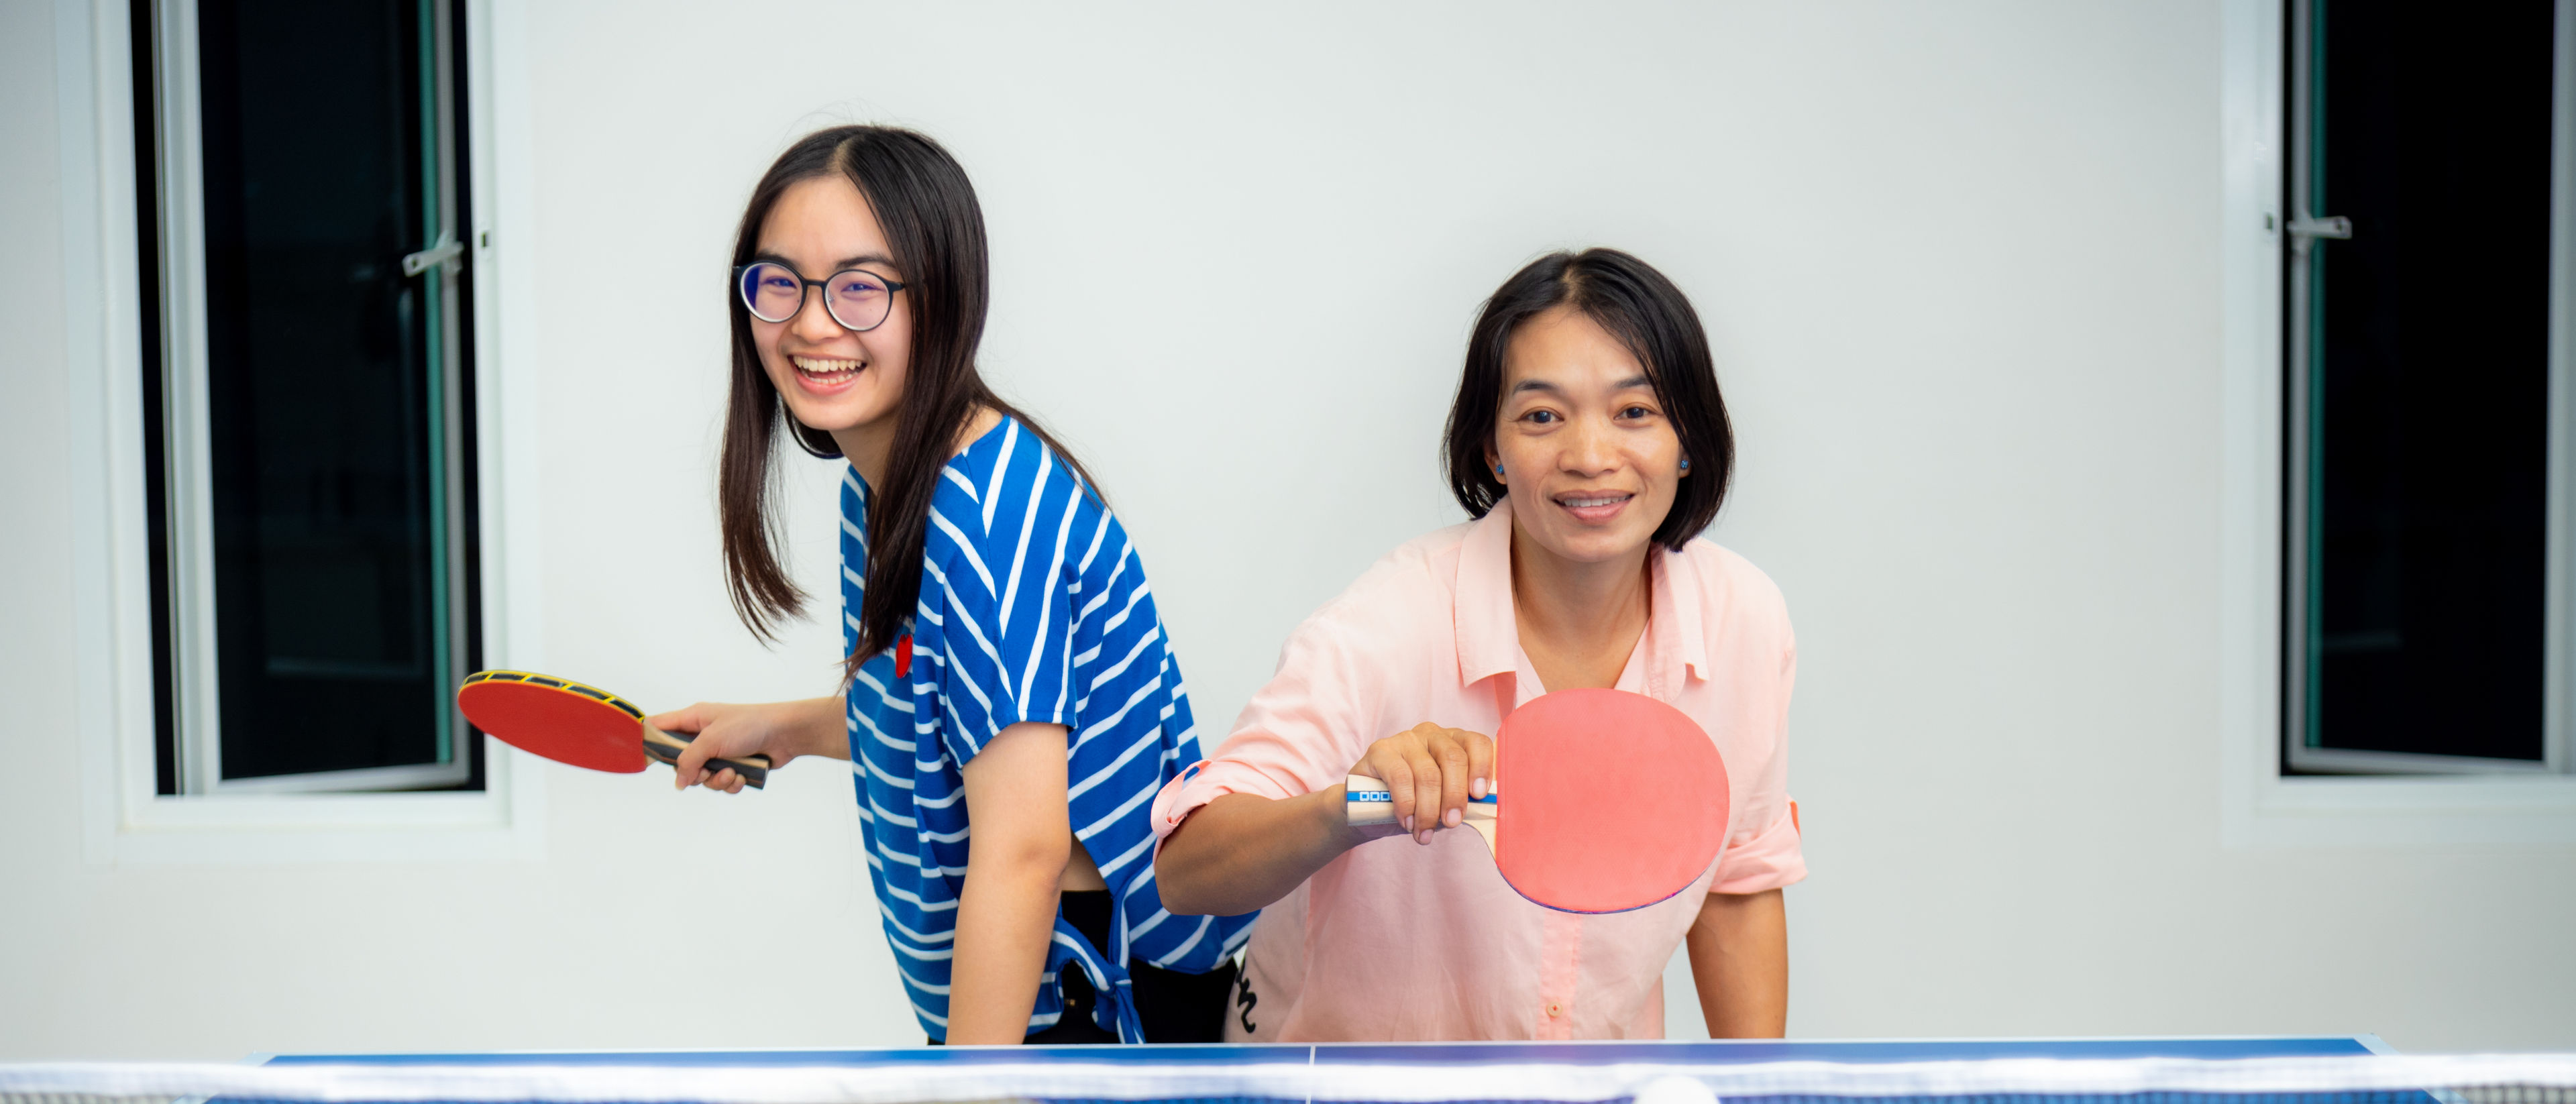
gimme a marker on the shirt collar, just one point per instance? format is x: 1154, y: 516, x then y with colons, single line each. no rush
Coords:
x: 1489, y: 639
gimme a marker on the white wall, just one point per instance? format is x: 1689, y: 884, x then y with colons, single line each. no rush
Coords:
x: 1960, y: 264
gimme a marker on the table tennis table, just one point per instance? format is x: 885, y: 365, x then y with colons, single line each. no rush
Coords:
x: 1464, y: 1054
x: 2349, y: 1069
x: 1423, y: 1073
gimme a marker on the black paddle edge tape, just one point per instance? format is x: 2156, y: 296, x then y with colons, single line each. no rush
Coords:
x: 605, y: 696
x: 592, y: 692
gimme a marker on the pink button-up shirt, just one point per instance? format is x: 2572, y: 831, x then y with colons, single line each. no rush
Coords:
x: 1397, y: 941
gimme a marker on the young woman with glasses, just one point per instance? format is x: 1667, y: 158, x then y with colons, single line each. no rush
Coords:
x: 1590, y: 440
x: 1005, y: 666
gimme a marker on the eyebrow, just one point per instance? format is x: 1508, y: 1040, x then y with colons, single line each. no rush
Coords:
x: 1547, y: 385
x: 843, y: 264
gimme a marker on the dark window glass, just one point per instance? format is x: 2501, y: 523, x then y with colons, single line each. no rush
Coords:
x: 337, y: 414
x: 2425, y: 395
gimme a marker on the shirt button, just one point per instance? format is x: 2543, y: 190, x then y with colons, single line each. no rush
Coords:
x: 1555, y: 1009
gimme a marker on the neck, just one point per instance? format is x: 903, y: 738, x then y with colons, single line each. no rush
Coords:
x: 1576, y: 606
x: 866, y: 448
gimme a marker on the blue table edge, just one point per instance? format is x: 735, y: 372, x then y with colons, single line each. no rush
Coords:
x: 1933, y: 1048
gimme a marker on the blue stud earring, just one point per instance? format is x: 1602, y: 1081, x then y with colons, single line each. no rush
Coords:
x: 1498, y: 471
x: 1685, y: 463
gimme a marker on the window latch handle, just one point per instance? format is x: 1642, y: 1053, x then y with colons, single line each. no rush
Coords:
x: 447, y: 249
x: 2306, y: 227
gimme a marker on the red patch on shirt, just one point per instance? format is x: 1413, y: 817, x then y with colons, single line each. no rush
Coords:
x: 903, y: 656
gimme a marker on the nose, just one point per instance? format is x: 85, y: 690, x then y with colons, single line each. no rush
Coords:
x: 814, y: 321
x: 1589, y: 449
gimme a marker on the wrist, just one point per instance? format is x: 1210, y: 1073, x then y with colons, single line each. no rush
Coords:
x: 1332, y: 813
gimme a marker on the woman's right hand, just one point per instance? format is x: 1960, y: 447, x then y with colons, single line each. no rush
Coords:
x: 1432, y: 771
x: 780, y: 730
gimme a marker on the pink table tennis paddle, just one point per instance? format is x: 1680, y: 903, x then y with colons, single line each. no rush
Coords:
x: 584, y: 726
x: 1602, y: 801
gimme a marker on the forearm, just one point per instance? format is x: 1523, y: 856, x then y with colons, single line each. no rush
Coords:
x: 1005, y: 915
x: 1739, y: 956
x: 815, y: 726
x: 1015, y: 801
x: 1242, y: 852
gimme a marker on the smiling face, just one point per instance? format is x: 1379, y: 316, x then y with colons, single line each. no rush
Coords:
x: 1589, y: 456
x: 846, y: 384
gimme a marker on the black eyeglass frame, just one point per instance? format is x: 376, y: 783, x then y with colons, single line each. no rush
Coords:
x: 743, y: 294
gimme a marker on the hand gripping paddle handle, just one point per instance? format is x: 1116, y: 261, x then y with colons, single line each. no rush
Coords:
x: 1365, y: 801
x: 665, y: 747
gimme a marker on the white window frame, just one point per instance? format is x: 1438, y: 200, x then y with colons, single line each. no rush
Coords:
x: 2554, y: 645
x: 2260, y: 807
x: 196, y: 704
x: 125, y: 820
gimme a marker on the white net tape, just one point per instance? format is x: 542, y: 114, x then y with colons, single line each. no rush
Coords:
x: 2450, y: 1078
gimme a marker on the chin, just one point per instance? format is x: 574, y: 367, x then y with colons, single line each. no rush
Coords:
x: 808, y: 415
x: 1597, y: 547
x: 844, y: 411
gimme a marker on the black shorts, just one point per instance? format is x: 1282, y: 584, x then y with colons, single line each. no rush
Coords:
x: 1174, y: 1007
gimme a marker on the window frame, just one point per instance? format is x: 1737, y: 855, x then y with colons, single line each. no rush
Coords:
x: 189, y: 667
x: 126, y: 820
x: 2299, y: 243
x: 2263, y: 804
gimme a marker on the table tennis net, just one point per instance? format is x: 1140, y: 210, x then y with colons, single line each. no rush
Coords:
x: 1296, y: 1077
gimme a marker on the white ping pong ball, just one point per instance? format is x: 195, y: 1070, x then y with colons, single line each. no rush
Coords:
x: 1675, y: 1089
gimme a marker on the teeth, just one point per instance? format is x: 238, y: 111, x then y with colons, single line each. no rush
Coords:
x: 818, y: 366
x: 1583, y: 503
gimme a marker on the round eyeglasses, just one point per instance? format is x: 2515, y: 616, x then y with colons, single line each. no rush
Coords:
x: 773, y: 292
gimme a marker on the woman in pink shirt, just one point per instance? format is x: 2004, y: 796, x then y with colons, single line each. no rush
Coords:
x: 1591, y: 444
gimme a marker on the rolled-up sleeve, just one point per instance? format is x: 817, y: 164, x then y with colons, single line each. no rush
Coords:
x: 1764, y: 851
x: 1205, y: 781
x: 1770, y: 859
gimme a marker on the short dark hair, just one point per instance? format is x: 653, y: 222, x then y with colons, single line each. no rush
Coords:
x: 1641, y: 310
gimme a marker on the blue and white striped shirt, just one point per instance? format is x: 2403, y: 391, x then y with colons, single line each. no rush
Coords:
x: 1033, y: 607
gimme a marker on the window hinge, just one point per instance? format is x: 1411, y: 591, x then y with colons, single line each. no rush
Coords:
x: 444, y: 251
x: 2332, y: 226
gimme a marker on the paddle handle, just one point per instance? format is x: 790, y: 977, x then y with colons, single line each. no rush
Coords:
x: 1365, y: 801
x: 665, y: 747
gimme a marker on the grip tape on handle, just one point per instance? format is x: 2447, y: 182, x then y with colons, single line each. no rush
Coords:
x: 1365, y: 801
x: 665, y: 747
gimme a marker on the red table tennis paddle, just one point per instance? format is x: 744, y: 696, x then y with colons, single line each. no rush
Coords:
x: 584, y: 726
x: 1616, y: 801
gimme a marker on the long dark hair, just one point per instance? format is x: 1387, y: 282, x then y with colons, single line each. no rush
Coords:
x: 926, y: 207
x: 1641, y: 310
